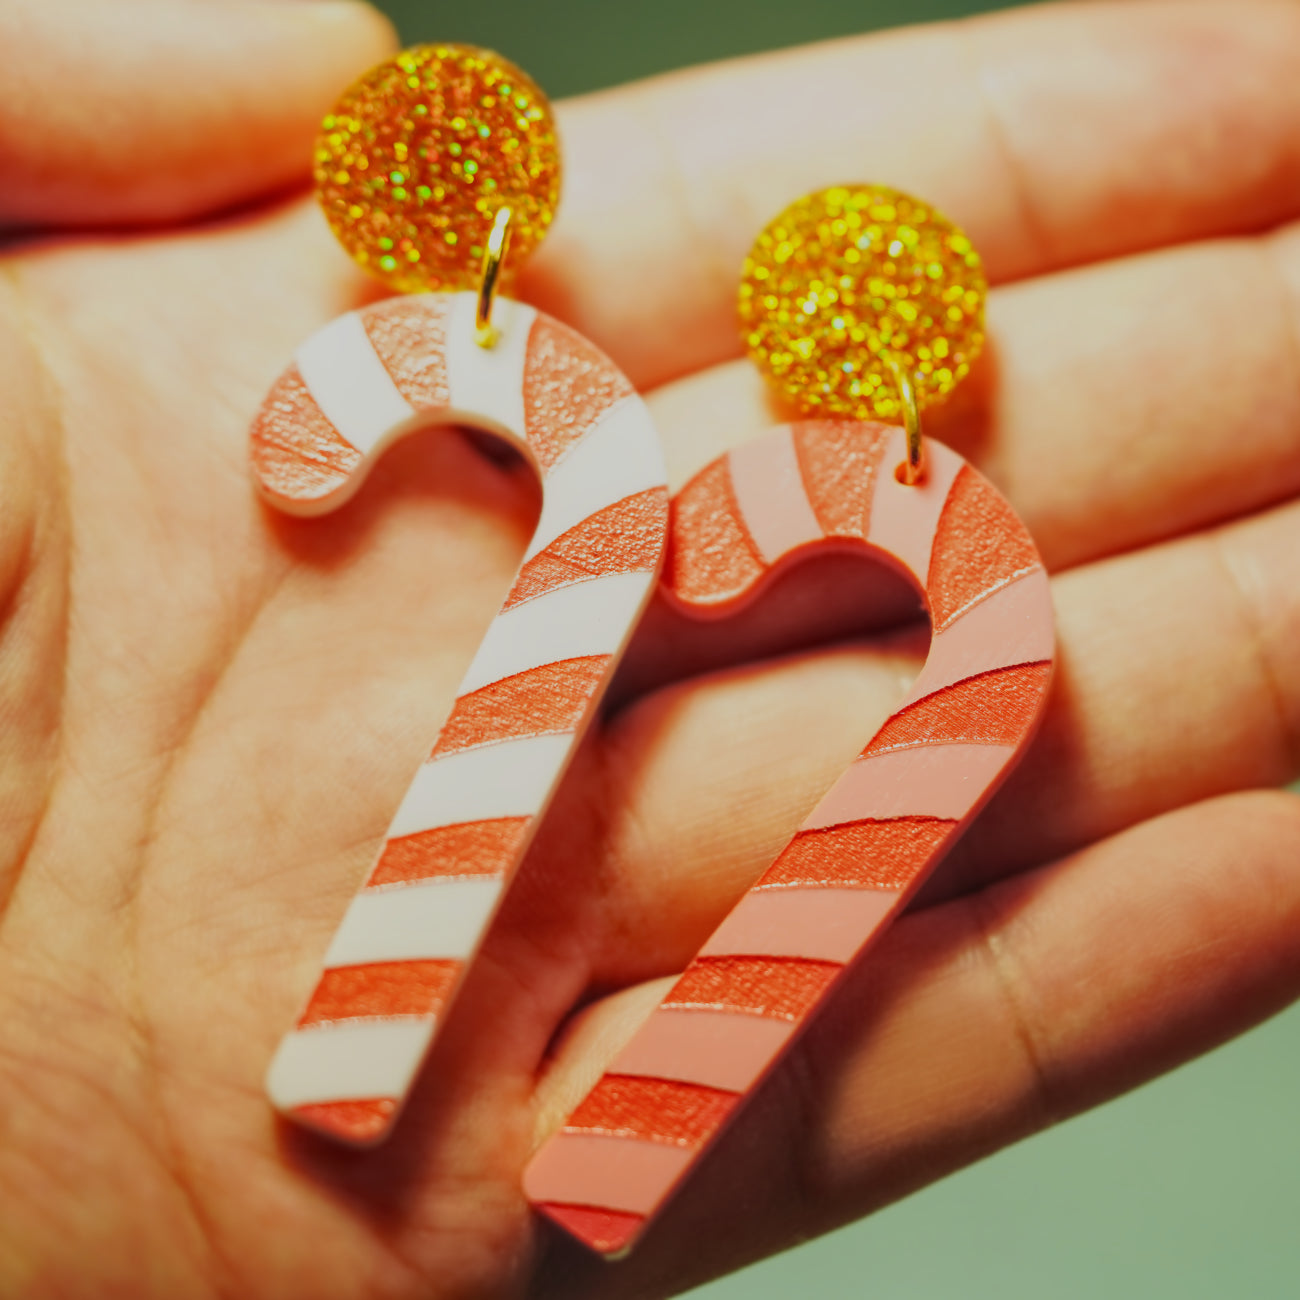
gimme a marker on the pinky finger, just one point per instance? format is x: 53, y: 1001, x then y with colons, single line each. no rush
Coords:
x: 976, y: 1023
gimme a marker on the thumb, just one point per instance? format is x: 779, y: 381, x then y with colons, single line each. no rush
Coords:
x: 152, y: 110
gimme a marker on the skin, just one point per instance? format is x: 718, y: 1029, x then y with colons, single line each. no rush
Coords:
x: 209, y: 712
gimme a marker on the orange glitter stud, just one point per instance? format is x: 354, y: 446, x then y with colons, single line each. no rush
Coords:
x: 855, y: 293
x: 420, y: 155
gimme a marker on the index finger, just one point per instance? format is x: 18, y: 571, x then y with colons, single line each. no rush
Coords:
x: 1054, y: 135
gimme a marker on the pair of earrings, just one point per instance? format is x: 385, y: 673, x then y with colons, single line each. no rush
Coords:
x: 862, y: 304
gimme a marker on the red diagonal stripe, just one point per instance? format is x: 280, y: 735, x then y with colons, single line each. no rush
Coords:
x: 409, y: 336
x: 353, y: 1121
x: 661, y: 1110
x: 980, y: 543
x: 838, y: 461
x: 626, y: 537
x: 994, y: 708
x: 485, y: 848
x: 869, y: 854
x: 547, y: 699
x: 711, y: 558
x: 297, y: 453
x: 781, y: 987
x: 381, y: 988
x: 569, y: 383
x: 606, y: 1231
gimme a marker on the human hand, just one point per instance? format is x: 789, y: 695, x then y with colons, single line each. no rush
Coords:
x: 211, y: 712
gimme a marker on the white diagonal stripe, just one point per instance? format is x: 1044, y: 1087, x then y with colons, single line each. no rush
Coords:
x: 510, y: 779
x: 434, y: 920
x: 348, y: 1062
x: 349, y: 383
x: 592, y: 617
x: 487, y: 384
x: 617, y: 458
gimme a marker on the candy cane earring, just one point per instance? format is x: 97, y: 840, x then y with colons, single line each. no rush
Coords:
x: 429, y: 168
x: 859, y: 303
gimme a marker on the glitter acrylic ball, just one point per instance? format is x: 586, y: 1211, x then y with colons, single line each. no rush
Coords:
x: 418, y: 156
x: 851, y: 281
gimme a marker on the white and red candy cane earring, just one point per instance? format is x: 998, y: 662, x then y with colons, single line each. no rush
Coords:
x: 860, y: 303
x: 428, y: 169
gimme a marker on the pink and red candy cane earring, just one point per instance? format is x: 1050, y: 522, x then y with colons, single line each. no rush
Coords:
x: 859, y: 302
x: 862, y: 304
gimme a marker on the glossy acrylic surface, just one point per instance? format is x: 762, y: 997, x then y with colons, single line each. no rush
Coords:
x: 874, y: 837
x: 457, y: 836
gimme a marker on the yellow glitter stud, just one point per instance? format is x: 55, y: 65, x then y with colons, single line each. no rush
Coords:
x: 852, y: 285
x: 417, y: 158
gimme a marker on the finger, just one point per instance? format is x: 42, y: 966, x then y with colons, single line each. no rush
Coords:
x: 975, y: 1024
x: 154, y: 111
x: 1176, y: 682
x: 1130, y: 734
x: 1122, y: 403
x: 1144, y: 399
x: 1054, y: 135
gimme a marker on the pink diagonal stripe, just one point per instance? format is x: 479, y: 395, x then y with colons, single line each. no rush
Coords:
x: 903, y: 518
x: 614, y: 1173
x: 716, y: 1048
x: 771, y: 496
x: 944, y: 781
x: 817, y: 924
x: 1009, y: 627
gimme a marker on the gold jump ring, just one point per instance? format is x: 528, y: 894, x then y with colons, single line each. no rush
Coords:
x: 914, y: 467
x: 494, y: 255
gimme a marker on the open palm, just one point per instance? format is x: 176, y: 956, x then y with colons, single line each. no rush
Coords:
x: 210, y: 712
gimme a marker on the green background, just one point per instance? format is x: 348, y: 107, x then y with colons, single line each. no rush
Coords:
x: 1188, y: 1188
x: 569, y: 46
